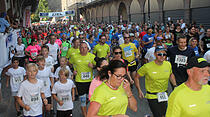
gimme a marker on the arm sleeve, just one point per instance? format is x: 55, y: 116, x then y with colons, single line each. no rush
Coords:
x: 142, y: 71
x: 98, y: 96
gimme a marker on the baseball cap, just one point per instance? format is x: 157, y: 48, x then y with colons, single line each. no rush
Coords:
x: 197, y: 61
x: 160, y: 48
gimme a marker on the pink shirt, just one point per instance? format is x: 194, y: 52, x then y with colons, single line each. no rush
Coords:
x: 59, y: 42
x: 94, y: 84
x: 34, y: 51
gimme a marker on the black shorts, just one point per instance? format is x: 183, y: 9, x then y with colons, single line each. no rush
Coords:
x: 67, y: 113
x: 132, y: 68
x: 158, y: 108
x: 49, y: 100
x: 82, y: 87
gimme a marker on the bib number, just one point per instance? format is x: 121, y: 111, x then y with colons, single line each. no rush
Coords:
x: 17, y: 80
x: 208, y: 45
x: 180, y: 59
x: 34, y: 99
x: 65, y: 98
x: 65, y: 48
x: 46, y: 84
x: 162, y: 96
x: 85, y: 75
x: 33, y: 55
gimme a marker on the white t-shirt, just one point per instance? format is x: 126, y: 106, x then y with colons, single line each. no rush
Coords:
x: 49, y: 61
x: 16, y: 77
x: 63, y: 92
x: 20, y: 50
x: 45, y: 75
x: 31, y: 96
x: 53, y: 50
x: 59, y: 68
x: 150, y: 54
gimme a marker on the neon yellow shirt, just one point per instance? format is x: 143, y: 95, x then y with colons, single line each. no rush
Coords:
x: 112, y: 102
x: 101, y: 50
x: 80, y: 64
x: 156, y: 77
x: 72, y: 52
x: 184, y: 102
x: 128, y: 52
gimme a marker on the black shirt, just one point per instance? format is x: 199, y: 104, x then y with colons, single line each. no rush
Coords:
x: 206, y: 43
x: 178, y: 60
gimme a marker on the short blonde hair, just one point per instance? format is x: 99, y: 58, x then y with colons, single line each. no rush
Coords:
x: 65, y: 71
x: 31, y: 65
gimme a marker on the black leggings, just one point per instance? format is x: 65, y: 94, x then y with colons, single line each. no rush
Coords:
x: 67, y: 113
x: 158, y: 108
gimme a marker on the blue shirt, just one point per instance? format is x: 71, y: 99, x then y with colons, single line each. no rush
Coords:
x: 196, y: 51
x: 136, y: 43
x: 3, y: 24
x: 147, y: 38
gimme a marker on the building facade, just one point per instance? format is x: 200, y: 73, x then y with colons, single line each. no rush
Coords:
x: 139, y: 10
x: 15, y: 8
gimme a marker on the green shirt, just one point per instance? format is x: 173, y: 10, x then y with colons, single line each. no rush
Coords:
x: 112, y: 102
x: 25, y: 42
x: 65, y: 46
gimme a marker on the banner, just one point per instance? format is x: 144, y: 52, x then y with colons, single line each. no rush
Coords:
x: 7, y: 43
x: 57, y: 14
x: 27, y: 17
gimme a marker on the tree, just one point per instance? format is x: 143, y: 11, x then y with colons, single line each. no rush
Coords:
x: 43, y: 7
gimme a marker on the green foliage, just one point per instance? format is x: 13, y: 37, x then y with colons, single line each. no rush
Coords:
x: 43, y: 7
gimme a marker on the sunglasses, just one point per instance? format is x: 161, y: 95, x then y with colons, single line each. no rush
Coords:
x: 161, y: 54
x: 126, y: 37
x: 117, y: 53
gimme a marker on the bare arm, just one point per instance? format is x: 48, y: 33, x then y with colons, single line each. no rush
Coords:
x: 137, y: 84
x: 173, y: 80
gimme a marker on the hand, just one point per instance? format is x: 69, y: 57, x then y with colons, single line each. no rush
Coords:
x: 141, y: 95
x: 126, y: 86
x: 120, y: 115
x: 75, y: 73
x: 90, y: 65
x: 27, y: 108
x: 45, y: 101
x: 60, y: 103
x: 73, y: 98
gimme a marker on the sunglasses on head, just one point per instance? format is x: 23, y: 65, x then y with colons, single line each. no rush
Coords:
x: 161, y: 54
x: 117, y: 53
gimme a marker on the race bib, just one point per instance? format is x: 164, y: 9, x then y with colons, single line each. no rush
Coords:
x: 34, y: 99
x: 208, y: 45
x: 34, y: 54
x: 17, y: 80
x: 46, y: 83
x: 65, y: 98
x: 180, y: 59
x: 85, y: 75
x: 65, y: 48
x: 150, y: 38
x: 162, y: 96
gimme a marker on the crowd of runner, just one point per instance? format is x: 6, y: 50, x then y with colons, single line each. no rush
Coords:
x: 100, y: 63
